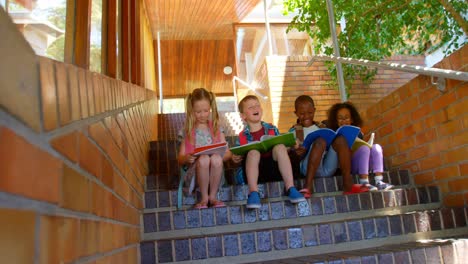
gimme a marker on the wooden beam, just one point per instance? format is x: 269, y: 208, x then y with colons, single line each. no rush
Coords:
x: 125, y: 44
x: 82, y: 33
x: 111, y: 65
x: 133, y: 41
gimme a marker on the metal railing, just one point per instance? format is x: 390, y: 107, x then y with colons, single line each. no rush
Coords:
x: 441, y: 74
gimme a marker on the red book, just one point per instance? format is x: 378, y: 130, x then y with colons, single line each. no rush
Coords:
x: 217, y: 148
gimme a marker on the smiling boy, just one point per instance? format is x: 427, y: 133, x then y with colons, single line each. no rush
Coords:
x: 273, y: 164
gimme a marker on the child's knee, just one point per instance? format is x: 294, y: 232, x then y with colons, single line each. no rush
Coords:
x: 216, y: 161
x: 203, y: 162
x: 319, y: 144
x: 280, y: 149
x: 253, y: 154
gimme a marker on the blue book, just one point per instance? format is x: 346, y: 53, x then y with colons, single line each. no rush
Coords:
x: 349, y: 132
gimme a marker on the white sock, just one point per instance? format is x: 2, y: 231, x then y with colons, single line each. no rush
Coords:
x: 378, y: 179
x: 364, y: 181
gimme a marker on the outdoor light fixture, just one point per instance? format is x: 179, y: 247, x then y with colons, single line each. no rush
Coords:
x: 227, y: 70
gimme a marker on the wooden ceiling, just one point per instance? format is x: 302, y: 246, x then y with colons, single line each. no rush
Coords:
x: 197, y: 42
x: 197, y: 19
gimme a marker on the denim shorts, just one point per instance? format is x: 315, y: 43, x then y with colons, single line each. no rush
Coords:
x: 328, y: 164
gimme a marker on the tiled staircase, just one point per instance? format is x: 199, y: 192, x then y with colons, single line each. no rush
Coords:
x: 404, y: 225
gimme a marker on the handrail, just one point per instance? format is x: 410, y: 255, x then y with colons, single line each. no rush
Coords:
x: 234, y: 79
x: 433, y: 72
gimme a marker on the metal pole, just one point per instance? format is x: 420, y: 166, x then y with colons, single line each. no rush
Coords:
x: 336, y: 49
x: 267, y: 26
x: 160, y: 76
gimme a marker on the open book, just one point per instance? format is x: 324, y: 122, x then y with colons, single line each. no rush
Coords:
x: 266, y: 143
x: 349, y: 132
x: 217, y: 148
x: 359, y: 142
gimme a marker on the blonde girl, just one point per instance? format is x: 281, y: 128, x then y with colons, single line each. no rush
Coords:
x: 201, y: 129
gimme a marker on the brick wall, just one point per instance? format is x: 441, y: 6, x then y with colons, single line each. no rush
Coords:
x: 426, y: 131
x: 73, y: 156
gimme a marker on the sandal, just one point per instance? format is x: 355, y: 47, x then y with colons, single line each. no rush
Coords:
x: 200, y: 205
x: 307, y: 194
x: 217, y: 204
x: 357, y: 188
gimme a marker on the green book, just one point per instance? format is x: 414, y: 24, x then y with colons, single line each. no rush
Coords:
x: 266, y: 143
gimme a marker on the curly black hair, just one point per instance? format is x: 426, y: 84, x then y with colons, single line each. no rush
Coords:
x: 333, y: 119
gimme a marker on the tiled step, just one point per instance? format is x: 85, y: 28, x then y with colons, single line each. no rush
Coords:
x: 320, y: 239
x: 430, y: 251
x: 169, y: 219
x: 322, y: 186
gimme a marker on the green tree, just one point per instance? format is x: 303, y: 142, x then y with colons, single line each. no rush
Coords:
x: 380, y: 28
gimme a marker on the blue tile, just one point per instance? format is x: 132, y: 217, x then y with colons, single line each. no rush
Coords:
x: 273, y: 189
x: 179, y: 219
x: 402, y: 257
x: 261, y: 191
x: 394, y: 177
x: 381, y: 224
x: 408, y: 223
x: 355, y: 230
x: 222, y: 216
x: 435, y: 222
x: 280, y: 240
x: 264, y: 241
x: 231, y: 245
x: 341, y: 204
x: 385, y: 258
x: 198, y: 248
x: 423, y: 195
x: 164, y: 251
x: 189, y: 200
x: 164, y: 221
x: 290, y: 210
x: 339, y: 182
x: 353, y: 261
x: 339, y: 232
x: 389, y: 199
x: 404, y: 177
x: 238, y: 193
x: 147, y: 253
x: 225, y: 193
x: 411, y: 196
x: 316, y: 205
x: 447, y: 218
x: 377, y: 200
x: 150, y: 182
x: 418, y: 256
x: 303, y: 209
x: 150, y: 200
x: 400, y: 197
x: 330, y: 185
x: 459, y: 214
x: 149, y: 223
x: 247, y: 243
x: 193, y: 218
x: 277, y: 210
x: 434, y: 194
x: 353, y: 201
x: 325, y: 236
x: 208, y: 217
x: 447, y: 253
x: 295, y: 237
x: 264, y: 212
x: 236, y: 214
x: 329, y: 205
x: 319, y: 185
x: 310, y: 235
x: 335, y: 262
x: 215, y: 247
x: 395, y: 225
x: 433, y: 255
x: 173, y: 195
x: 164, y: 200
x: 366, y: 203
x: 369, y: 228
x: 250, y: 216
x: 368, y: 260
x: 422, y: 222
x: 182, y: 249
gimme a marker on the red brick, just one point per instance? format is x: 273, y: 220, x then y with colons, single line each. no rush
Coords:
x: 429, y: 94
x: 448, y: 172
x: 58, y: 239
x: 456, y: 109
x: 89, y: 156
x: 17, y: 244
x: 63, y: 93
x: 28, y: 170
x: 426, y: 136
x: 48, y: 93
x: 424, y: 178
x: 458, y: 185
x: 443, y: 101
x: 456, y: 155
x: 463, y: 169
x: 453, y: 200
x: 76, y: 191
x: 67, y: 145
x: 430, y: 162
x: 421, y: 112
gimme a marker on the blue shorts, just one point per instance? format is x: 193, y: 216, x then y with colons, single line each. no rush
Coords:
x: 328, y: 164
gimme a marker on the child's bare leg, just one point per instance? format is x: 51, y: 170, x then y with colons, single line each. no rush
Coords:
x: 251, y: 168
x: 203, y: 177
x: 280, y: 155
x: 344, y: 157
x: 315, y: 157
x: 216, y: 171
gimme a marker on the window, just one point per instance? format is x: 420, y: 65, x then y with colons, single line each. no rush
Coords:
x: 95, y: 53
